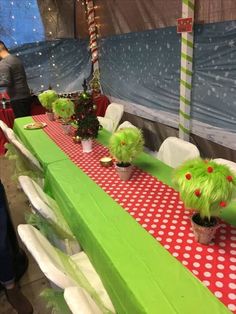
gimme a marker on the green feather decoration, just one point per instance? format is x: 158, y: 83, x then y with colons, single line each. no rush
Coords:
x: 204, y: 185
x: 126, y: 144
x: 63, y: 107
x: 47, y: 98
x: 56, y: 301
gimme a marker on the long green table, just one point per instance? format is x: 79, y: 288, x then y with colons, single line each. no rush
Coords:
x: 138, y: 273
x: 38, y: 142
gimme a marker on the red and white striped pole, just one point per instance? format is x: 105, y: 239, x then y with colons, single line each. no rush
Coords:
x: 92, y: 34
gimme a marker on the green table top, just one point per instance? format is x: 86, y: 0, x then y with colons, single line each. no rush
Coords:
x: 138, y: 273
x: 39, y: 143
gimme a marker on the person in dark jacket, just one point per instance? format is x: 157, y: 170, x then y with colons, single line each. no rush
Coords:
x: 12, y: 260
x: 13, y: 79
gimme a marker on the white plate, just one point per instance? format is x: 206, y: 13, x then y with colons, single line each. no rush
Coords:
x: 35, y: 125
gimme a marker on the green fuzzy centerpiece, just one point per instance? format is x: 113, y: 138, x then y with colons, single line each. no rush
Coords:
x: 126, y: 144
x: 204, y: 185
x: 64, y: 108
x: 47, y: 98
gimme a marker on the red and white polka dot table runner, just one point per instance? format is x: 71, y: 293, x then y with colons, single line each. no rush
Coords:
x: 158, y: 209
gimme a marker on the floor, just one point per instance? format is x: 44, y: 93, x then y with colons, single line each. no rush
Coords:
x: 33, y: 282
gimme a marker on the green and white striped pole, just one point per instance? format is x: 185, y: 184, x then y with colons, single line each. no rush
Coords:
x: 186, y: 73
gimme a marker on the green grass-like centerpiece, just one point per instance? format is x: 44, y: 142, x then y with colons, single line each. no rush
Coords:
x: 205, y: 187
x: 47, y: 98
x: 125, y: 145
x: 64, y: 108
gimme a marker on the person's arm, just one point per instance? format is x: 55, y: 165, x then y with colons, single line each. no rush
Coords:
x: 5, y: 75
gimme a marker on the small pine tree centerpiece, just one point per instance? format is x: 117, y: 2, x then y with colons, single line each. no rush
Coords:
x: 87, y: 121
x: 47, y: 98
x: 204, y: 187
x: 125, y: 145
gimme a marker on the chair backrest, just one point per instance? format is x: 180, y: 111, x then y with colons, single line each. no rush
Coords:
x: 174, y: 151
x: 8, y: 132
x: 229, y: 163
x: 80, y: 302
x: 61, y: 269
x: 126, y: 124
x: 114, y: 112
x: 29, y: 158
x: 45, y: 255
x: 40, y: 201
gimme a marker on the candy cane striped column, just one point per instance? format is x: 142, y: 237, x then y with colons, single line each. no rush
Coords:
x: 92, y: 34
x: 186, y: 73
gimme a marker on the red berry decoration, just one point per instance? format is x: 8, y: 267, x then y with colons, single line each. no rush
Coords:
x: 188, y: 176
x: 229, y: 178
x: 223, y: 204
x: 197, y: 192
x: 210, y: 169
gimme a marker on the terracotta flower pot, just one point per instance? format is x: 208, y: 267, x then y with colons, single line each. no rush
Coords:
x: 124, y: 172
x: 50, y: 116
x: 87, y: 145
x: 203, y: 234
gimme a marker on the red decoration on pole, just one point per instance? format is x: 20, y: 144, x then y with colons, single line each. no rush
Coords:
x: 185, y: 25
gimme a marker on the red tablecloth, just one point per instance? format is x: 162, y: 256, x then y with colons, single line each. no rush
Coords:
x: 101, y: 102
x: 7, y: 116
x: 158, y: 209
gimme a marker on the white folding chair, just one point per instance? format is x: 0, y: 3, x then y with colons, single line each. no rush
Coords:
x: 27, y: 156
x: 229, y: 163
x: 80, y: 302
x: 60, y: 270
x: 8, y: 132
x: 112, y: 117
x: 47, y: 207
x: 174, y: 151
x: 125, y: 124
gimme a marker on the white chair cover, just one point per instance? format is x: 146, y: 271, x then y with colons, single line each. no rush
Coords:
x: 106, y: 123
x: 56, y: 269
x: 80, y: 302
x: 27, y: 155
x: 126, y: 124
x: 229, y: 163
x: 174, y: 151
x: 8, y: 132
x: 113, y: 112
x: 47, y: 207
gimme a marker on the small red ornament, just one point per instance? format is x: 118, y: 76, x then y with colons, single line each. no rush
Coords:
x: 210, y: 169
x: 223, y: 204
x: 197, y: 192
x: 188, y: 176
x: 229, y: 178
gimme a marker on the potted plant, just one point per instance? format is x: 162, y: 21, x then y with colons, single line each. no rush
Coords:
x: 64, y: 108
x: 204, y: 187
x: 47, y: 98
x: 125, y: 145
x: 87, y: 121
